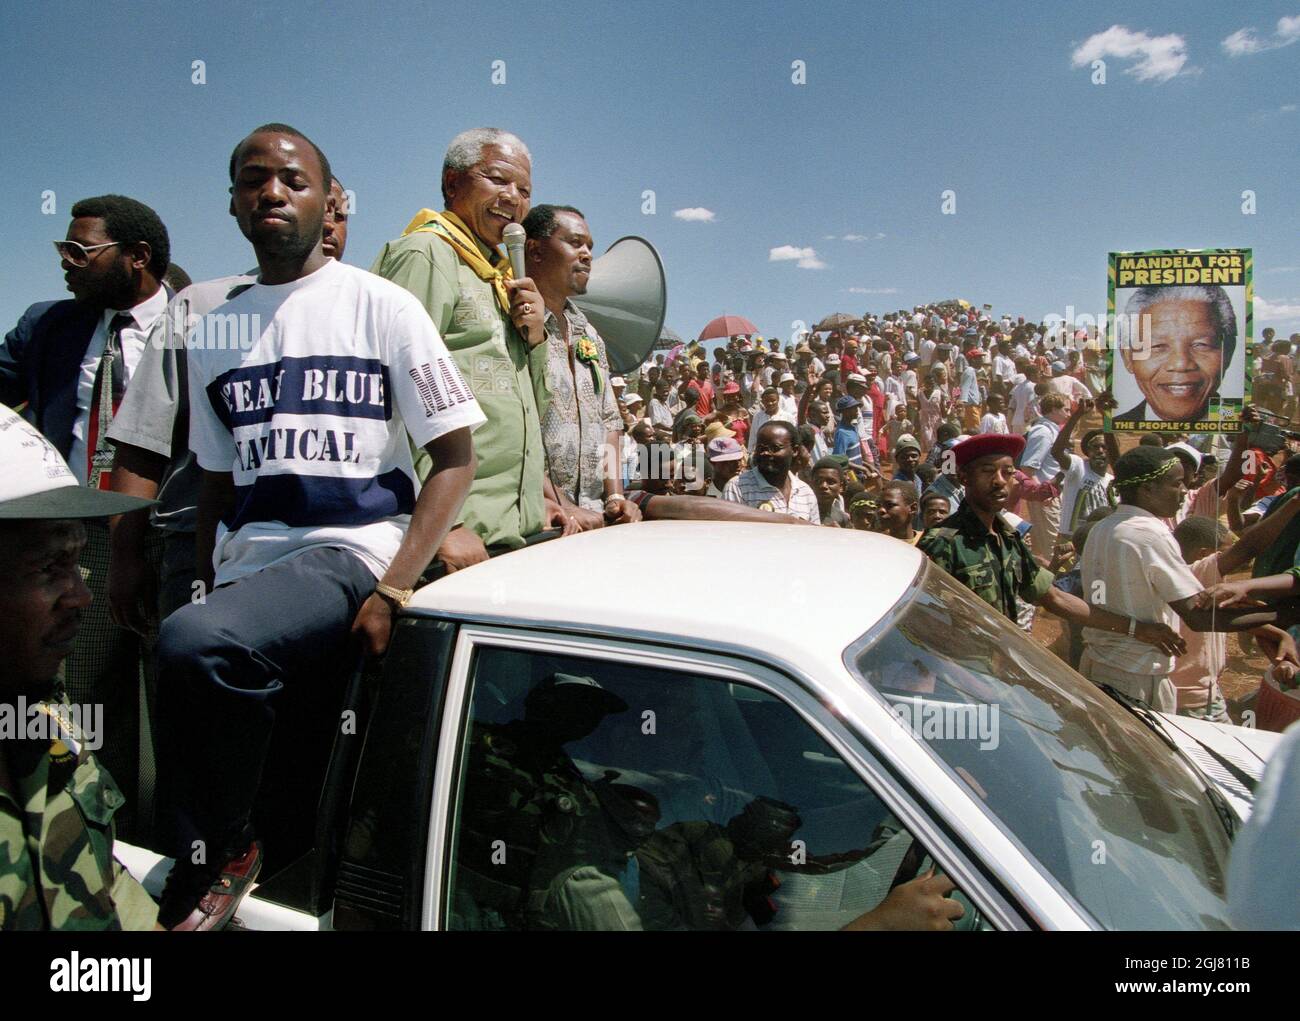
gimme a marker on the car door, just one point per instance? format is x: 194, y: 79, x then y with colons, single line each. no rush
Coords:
x: 587, y: 783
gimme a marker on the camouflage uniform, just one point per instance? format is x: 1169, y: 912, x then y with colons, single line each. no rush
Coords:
x: 56, y: 841
x: 996, y: 566
x: 525, y: 792
x: 700, y: 875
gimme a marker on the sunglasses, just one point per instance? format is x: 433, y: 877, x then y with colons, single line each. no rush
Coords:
x: 77, y: 253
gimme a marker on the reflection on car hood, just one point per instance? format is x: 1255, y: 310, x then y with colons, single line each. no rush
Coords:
x: 1221, y: 750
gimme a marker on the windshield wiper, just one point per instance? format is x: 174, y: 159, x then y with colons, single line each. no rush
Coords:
x: 1153, y: 722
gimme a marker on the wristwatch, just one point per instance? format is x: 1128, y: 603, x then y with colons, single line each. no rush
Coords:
x: 397, y: 597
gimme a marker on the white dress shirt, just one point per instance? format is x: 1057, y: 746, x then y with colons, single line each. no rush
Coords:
x: 132, y: 339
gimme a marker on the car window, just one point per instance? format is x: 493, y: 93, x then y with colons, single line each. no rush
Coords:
x: 1103, y: 804
x: 596, y: 794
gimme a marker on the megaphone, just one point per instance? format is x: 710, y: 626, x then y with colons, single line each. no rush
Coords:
x: 627, y: 296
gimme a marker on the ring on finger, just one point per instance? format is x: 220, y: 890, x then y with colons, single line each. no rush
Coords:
x: 526, y: 308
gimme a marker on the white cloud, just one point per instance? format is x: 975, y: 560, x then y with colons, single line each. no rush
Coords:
x: 1245, y: 41
x: 828, y: 237
x: 695, y: 214
x: 1281, y: 269
x: 853, y: 237
x: 805, y: 258
x: 1284, y: 311
x: 872, y: 290
x: 1157, y: 58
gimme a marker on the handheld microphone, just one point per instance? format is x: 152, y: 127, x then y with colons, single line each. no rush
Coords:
x: 515, y: 237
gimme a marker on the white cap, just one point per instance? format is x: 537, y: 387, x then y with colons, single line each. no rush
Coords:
x: 1189, y: 450
x: 37, y: 483
x: 632, y: 398
x: 787, y: 377
x: 617, y: 381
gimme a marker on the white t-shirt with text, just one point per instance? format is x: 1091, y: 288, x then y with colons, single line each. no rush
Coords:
x: 312, y: 420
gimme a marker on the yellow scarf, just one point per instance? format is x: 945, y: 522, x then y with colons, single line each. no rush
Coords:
x: 462, y: 240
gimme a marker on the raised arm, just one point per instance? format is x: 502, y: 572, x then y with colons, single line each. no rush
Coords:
x: 1061, y: 445
x: 1258, y: 537
x: 1236, y: 467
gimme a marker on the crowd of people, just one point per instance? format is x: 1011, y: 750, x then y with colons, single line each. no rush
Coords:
x: 166, y: 489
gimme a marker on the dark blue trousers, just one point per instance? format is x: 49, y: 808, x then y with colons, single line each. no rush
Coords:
x: 226, y: 667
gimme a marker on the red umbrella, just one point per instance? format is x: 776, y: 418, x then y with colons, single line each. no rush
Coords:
x: 727, y: 326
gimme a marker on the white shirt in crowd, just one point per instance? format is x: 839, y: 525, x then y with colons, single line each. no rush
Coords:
x: 1022, y: 399
x: 1082, y: 492
x: 662, y: 413
x: 760, y: 419
x: 1071, y: 389
x: 751, y: 489
x: 1004, y: 367
x: 992, y: 423
x: 132, y: 338
x: 1134, y: 557
x: 313, y: 418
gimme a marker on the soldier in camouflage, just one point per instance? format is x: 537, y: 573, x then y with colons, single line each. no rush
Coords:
x: 540, y: 845
x: 979, y: 548
x: 56, y: 802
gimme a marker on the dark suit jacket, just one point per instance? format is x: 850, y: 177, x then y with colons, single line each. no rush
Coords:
x: 1135, y: 414
x: 1138, y: 413
x: 40, y: 362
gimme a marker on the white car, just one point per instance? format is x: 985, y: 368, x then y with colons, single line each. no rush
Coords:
x: 694, y: 725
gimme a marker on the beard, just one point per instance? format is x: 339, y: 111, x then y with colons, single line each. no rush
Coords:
x: 292, y: 245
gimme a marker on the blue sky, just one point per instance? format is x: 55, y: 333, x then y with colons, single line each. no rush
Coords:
x: 696, y: 103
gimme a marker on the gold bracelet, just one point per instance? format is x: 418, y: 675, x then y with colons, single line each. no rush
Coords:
x: 399, y: 596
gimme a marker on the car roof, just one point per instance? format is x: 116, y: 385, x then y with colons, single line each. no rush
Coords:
x: 776, y: 588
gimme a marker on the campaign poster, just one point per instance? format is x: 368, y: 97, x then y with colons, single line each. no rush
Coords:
x: 1180, y: 323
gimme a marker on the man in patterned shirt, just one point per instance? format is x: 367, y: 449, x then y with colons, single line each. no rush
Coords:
x: 770, y: 485
x: 581, y: 425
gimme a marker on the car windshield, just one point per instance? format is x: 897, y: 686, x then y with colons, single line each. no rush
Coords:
x: 1100, y: 801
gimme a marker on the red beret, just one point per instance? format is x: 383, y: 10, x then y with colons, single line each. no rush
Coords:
x: 988, y: 445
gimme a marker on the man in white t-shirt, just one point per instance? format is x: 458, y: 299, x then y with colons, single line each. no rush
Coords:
x: 994, y: 420
x: 311, y: 521
x: 1132, y: 566
x: 1022, y: 399
x: 1004, y: 367
x: 1086, y: 486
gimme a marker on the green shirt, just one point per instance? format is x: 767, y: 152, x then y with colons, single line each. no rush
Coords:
x: 997, y: 566
x: 505, y: 501
x: 56, y: 840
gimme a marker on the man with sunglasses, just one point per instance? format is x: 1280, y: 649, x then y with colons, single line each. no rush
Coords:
x: 70, y: 361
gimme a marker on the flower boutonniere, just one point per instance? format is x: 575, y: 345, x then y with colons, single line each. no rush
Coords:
x: 587, y: 353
